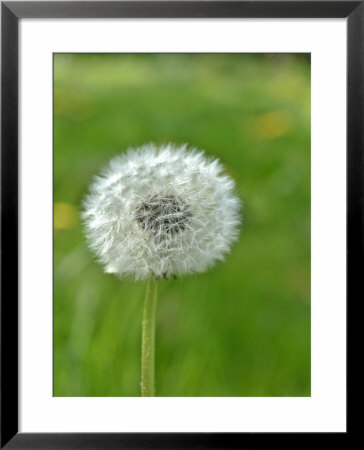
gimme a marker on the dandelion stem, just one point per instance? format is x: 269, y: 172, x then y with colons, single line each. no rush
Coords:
x: 148, y: 338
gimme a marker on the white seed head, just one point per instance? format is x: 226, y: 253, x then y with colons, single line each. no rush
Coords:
x: 162, y: 211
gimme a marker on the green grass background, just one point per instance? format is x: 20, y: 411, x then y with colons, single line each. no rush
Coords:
x: 241, y: 329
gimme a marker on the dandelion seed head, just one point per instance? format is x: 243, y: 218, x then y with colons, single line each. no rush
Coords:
x: 161, y: 210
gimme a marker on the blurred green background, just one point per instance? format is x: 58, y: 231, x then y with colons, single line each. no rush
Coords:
x: 241, y: 329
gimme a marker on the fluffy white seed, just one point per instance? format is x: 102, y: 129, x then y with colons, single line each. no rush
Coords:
x: 162, y: 211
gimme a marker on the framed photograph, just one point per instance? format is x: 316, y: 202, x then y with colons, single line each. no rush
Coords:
x: 182, y: 213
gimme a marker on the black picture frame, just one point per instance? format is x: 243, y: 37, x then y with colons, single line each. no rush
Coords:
x: 353, y: 11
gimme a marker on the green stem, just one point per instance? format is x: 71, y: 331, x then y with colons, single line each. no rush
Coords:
x: 148, y: 338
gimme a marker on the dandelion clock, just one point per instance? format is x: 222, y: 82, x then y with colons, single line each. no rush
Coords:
x: 160, y: 212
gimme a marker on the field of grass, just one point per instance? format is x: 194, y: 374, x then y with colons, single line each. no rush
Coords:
x: 241, y: 329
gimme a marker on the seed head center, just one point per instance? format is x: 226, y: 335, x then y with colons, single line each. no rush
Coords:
x: 163, y: 215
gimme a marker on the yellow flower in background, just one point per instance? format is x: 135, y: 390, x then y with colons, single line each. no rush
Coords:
x: 65, y: 216
x: 273, y: 124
